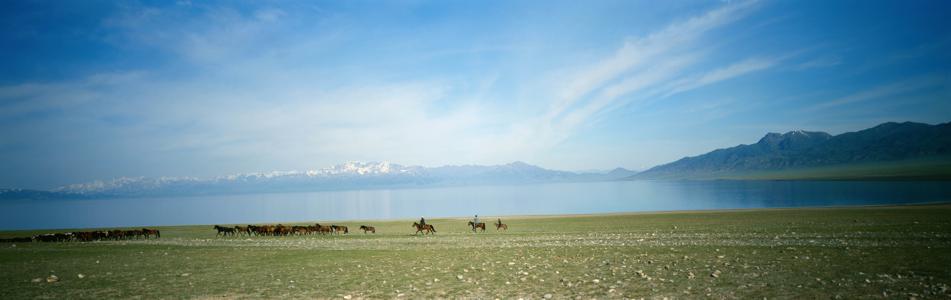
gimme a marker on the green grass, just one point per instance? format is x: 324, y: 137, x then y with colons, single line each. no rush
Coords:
x: 859, y: 252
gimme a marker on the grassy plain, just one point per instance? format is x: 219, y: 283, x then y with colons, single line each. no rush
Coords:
x: 856, y: 252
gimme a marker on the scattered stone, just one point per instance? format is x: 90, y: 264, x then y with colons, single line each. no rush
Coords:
x: 190, y: 274
x: 548, y: 296
x: 80, y: 275
x: 459, y: 277
x: 347, y: 297
x: 37, y: 280
x: 596, y: 281
x: 715, y: 274
x: 52, y: 279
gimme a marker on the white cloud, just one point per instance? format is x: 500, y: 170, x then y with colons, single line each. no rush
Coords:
x: 714, y: 76
x: 637, y: 52
x: 640, y: 68
x: 882, y: 91
x: 821, y: 62
x: 246, y: 113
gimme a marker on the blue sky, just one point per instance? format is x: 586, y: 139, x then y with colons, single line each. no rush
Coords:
x: 98, y: 89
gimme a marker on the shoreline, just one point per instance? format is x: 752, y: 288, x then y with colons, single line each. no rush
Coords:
x: 527, y: 216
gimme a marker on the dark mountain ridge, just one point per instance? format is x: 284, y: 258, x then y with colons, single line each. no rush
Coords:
x: 887, y: 142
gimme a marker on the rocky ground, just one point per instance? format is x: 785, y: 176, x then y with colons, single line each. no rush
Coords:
x: 861, y: 252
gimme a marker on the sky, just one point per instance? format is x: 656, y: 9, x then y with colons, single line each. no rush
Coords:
x: 104, y: 89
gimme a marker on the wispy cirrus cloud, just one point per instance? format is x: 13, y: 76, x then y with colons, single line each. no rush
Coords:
x: 892, y: 89
x: 821, y: 62
x: 725, y: 73
x: 643, y: 67
x: 212, y: 88
x: 638, y: 52
x: 248, y: 109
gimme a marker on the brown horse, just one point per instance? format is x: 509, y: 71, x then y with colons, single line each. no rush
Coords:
x: 151, y: 232
x: 243, y: 230
x: 299, y: 230
x: 257, y: 230
x: 477, y: 226
x: 321, y: 229
x: 340, y: 229
x: 368, y: 228
x: 427, y: 228
x: 501, y: 226
x: 135, y: 234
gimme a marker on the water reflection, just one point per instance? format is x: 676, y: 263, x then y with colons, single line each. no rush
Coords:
x: 556, y: 198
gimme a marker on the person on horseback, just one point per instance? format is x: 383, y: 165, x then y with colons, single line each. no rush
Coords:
x: 422, y: 221
x: 476, y: 222
x: 499, y: 222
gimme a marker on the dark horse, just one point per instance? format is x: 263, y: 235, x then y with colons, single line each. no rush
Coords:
x: 151, y: 232
x: 224, y: 230
x: 476, y: 226
x: 367, y: 228
x: 426, y: 227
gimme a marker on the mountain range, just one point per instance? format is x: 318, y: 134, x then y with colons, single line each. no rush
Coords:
x: 889, y: 150
x: 351, y: 175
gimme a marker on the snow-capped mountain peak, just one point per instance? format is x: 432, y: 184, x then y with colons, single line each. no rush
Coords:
x: 350, y: 175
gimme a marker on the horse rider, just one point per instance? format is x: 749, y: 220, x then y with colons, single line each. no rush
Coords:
x: 499, y: 222
x: 475, y: 222
x: 422, y: 221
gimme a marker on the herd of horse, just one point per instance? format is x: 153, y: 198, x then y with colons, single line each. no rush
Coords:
x: 89, y: 236
x: 284, y: 230
x: 249, y: 230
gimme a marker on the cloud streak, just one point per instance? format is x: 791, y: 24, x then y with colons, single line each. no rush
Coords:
x: 205, y: 89
x: 642, y: 68
x: 251, y: 110
x: 881, y: 91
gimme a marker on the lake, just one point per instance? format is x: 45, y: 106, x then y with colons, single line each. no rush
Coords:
x: 487, y: 201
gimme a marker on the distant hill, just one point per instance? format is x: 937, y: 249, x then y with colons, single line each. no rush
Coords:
x: 889, y: 150
x: 348, y: 176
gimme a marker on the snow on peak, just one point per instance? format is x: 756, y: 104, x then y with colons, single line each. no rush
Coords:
x: 365, y: 168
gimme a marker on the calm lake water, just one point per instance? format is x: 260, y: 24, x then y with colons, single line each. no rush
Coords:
x: 487, y: 201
